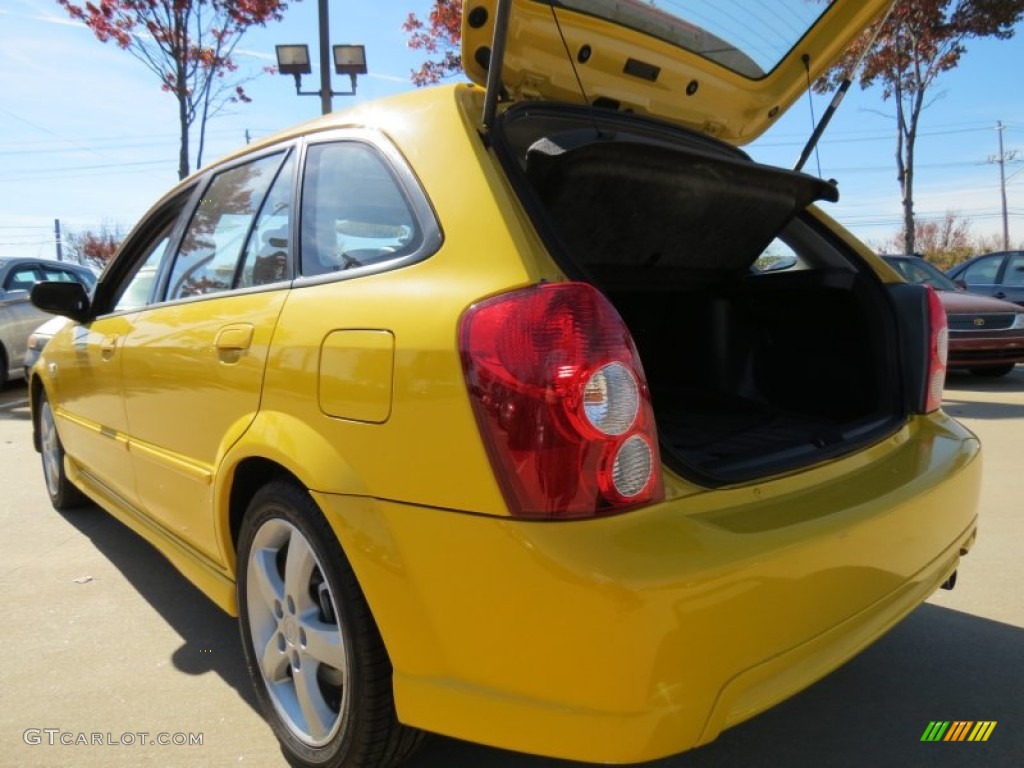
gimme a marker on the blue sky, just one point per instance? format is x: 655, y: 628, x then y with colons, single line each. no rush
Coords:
x: 87, y: 136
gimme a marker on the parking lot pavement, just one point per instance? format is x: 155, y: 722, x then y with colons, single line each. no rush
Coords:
x: 103, y: 637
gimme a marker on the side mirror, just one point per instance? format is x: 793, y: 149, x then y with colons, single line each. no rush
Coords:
x: 62, y: 298
x: 961, y: 283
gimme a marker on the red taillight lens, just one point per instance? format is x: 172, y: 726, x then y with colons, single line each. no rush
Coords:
x: 561, y: 401
x: 938, y: 350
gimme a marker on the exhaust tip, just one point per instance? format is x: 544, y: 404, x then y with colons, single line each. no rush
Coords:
x: 950, y: 582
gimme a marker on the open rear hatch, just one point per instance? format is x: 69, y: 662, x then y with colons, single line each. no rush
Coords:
x: 768, y: 343
x: 717, y: 68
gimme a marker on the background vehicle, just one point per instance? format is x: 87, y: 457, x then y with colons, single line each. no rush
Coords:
x: 481, y: 421
x: 18, y: 317
x: 995, y: 274
x: 38, y: 339
x: 986, y: 335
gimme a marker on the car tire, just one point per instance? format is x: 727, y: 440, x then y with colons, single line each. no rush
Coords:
x: 993, y: 371
x: 63, y: 493
x: 314, y: 653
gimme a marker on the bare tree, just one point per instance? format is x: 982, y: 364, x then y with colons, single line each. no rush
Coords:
x: 919, y: 41
x: 188, y: 44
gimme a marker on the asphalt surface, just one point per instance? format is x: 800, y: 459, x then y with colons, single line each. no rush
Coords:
x: 103, y: 637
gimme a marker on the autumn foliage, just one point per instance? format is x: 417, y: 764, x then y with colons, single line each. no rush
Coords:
x: 439, y: 37
x: 187, y: 44
x: 917, y: 42
x: 95, y: 247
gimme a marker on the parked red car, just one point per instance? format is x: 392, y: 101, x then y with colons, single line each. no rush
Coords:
x: 986, y: 335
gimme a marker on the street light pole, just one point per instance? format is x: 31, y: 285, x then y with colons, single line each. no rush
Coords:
x: 349, y: 59
x: 326, y: 106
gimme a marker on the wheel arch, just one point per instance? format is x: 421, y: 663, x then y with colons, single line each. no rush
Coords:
x: 275, y: 446
x: 248, y: 476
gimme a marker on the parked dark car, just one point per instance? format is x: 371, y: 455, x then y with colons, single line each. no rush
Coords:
x: 18, y: 317
x: 994, y: 274
x: 986, y: 335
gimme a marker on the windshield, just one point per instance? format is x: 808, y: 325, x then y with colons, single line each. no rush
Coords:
x: 748, y: 38
x: 917, y: 270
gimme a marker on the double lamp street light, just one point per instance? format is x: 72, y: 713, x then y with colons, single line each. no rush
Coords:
x: 348, y: 60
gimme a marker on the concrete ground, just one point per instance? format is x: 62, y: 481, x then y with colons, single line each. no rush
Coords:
x: 102, y: 636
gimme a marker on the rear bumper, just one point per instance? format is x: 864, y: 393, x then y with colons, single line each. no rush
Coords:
x: 638, y: 636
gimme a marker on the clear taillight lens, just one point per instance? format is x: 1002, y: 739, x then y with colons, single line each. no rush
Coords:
x: 938, y: 351
x: 561, y: 401
x: 611, y: 399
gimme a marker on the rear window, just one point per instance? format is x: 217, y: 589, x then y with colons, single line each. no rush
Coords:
x: 748, y: 38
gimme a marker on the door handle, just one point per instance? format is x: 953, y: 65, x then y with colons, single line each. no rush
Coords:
x: 999, y: 294
x: 108, y: 347
x: 234, y: 338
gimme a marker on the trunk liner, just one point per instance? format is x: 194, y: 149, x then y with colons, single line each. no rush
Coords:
x: 714, y: 431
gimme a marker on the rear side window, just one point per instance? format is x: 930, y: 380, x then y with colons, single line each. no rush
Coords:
x: 1015, y: 270
x: 354, y: 213
x: 212, y: 244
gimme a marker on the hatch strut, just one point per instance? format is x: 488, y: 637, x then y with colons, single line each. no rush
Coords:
x: 844, y: 86
x: 495, y: 61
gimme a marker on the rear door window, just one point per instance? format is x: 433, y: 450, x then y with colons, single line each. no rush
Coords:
x: 983, y: 271
x: 265, y: 259
x: 210, y: 249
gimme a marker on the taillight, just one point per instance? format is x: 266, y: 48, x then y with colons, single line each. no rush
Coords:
x: 561, y: 401
x: 938, y: 350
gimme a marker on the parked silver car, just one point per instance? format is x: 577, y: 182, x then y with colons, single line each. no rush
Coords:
x: 18, y: 317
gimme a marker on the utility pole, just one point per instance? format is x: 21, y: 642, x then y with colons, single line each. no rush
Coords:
x: 56, y: 236
x: 1002, y: 185
x: 1002, y: 159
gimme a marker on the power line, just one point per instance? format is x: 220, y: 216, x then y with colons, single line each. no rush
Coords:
x: 839, y: 138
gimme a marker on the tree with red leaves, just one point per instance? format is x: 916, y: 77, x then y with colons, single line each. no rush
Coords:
x: 919, y: 41
x: 91, y: 247
x: 188, y: 44
x: 439, y: 37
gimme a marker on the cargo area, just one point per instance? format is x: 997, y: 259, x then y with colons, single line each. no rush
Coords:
x: 766, y: 345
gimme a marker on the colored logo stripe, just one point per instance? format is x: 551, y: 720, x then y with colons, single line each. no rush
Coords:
x: 982, y: 730
x: 935, y: 730
x: 958, y: 730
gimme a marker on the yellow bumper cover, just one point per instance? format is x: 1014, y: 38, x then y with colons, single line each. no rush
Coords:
x: 633, y: 637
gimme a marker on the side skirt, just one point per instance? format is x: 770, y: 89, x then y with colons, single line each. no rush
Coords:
x: 208, y: 576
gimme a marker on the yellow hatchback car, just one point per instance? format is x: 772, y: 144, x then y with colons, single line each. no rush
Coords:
x: 529, y: 411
